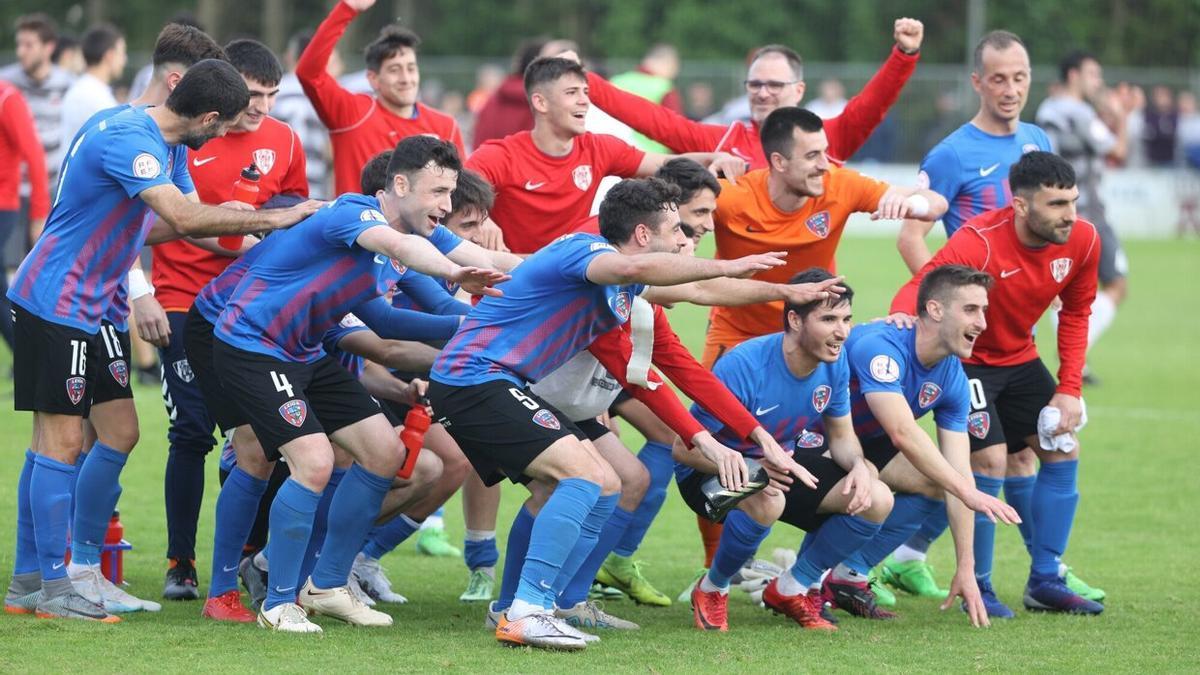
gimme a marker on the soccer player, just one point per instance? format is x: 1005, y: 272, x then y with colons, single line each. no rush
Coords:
x: 1035, y: 249
x: 546, y: 179
x: 18, y: 146
x: 775, y: 80
x: 268, y: 357
x: 361, y: 125
x: 1088, y: 130
x: 559, y: 301
x: 92, y: 237
x: 182, y: 268
x: 104, y: 53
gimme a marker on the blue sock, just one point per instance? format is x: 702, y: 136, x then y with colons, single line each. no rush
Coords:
x: 320, y: 523
x: 555, y: 531
x: 50, y: 501
x: 96, y: 493
x: 577, y: 587
x: 515, y: 551
x: 480, y: 553
x: 237, y: 504
x: 657, y: 459
x: 1018, y: 492
x: 837, y: 539
x: 74, y: 486
x: 985, y: 529
x: 354, y: 508
x: 292, y: 515
x: 589, y: 534
x: 27, y: 558
x: 906, y: 516
x: 930, y: 530
x: 806, y: 542
x: 386, y: 537
x: 1055, y: 497
x: 739, y: 541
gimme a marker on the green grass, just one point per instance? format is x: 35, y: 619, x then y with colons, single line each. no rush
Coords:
x: 1134, y: 536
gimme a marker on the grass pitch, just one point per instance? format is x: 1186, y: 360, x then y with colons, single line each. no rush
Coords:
x: 1135, y: 537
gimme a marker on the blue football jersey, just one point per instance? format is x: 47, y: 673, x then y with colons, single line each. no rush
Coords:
x: 348, y: 325
x: 96, y: 227
x: 790, y: 408
x: 970, y: 169
x: 884, y: 358
x: 311, y: 276
x: 549, y: 312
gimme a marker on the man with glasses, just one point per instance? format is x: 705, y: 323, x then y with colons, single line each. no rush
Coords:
x: 775, y: 79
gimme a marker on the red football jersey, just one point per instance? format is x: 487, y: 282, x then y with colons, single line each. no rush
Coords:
x: 539, y: 197
x: 359, y: 127
x: 181, y: 269
x: 1026, y: 282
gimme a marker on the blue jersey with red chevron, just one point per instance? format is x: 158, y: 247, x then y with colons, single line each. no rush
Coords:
x: 211, y: 299
x: 884, y: 358
x: 790, y: 408
x: 970, y: 169
x: 96, y: 227
x: 549, y: 312
x: 348, y: 325
x: 313, y: 274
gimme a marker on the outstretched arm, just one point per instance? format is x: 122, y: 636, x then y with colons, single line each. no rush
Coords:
x: 416, y: 252
x: 665, y: 269
x: 191, y: 218
x: 334, y: 105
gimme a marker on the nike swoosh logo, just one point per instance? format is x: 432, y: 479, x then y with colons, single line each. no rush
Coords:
x: 1004, y: 274
x: 201, y: 162
x: 57, y: 566
x: 984, y: 173
x: 284, y: 590
x: 380, y: 259
x: 764, y: 411
x: 544, y: 585
x: 530, y: 185
x: 228, y: 569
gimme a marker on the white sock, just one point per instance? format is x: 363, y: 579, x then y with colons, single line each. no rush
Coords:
x: 75, y: 568
x: 433, y: 523
x: 480, y: 535
x: 1104, y: 310
x: 707, y: 586
x: 260, y: 561
x: 906, y: 554
x: 844, y: 573
x: 788, y: 585
x: 521, y: 609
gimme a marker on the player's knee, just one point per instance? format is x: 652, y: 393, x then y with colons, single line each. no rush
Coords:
x: 991, y: 461
x: 123, y: 438
x: 635, y: 481
x: 882, y: 501
x: 455, y: 467
x: 610, y: 482
x: 429, y: 469
x: 765, y: 507
x: 1023, y: 463
x: 313, y: 472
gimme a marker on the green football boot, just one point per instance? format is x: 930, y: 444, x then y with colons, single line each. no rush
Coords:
x: 1080, y: 587
x: 432, y: 541
x: 914, y: 577
x: 479, y: 586
x: 626, y: 575
x: 884, y: 597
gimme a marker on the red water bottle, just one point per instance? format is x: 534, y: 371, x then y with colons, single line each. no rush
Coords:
x: 416, y: 423
x: 112, y: 553
x: 245, y: 190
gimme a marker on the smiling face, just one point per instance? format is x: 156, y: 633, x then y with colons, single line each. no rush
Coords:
x: 563, y: 104
x: 466, y: 223
x: 421, y: 200
x: 1049, y: 212
x: 803, y: 172
x: 398, y: 80
x: 667, y: 237
x: 1003, y: 83
x: 697, y: 213
x: 771, y: 83
x: 961, y: 319
x: 823, y: 332
x: 262, y: 100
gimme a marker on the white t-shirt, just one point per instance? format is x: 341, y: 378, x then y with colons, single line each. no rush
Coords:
x: 86, y: 97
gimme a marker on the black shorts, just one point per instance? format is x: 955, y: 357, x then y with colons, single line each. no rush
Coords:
x: 879, y: 450
x: 198, y: 345
x: 1006, y: 402
x: 394, y: 412
x: 1114, y: 264
x: 593, y: 429
x: 500, y: 427
x: 802, y: 504
x: 284, y: 400
x: 112, y: 370
x: 55, y: 367
x: 622, y: 396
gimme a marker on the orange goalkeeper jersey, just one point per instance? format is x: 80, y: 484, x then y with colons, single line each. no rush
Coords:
x: 747, y: 222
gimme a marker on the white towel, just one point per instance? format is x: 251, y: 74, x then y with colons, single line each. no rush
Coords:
x: 1048, y: 421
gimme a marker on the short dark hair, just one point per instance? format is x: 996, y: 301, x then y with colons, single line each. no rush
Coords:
x: 998, y: 40
x: 471, y: 192
x: 632, y: 202
x: 814, y: 275
x: 1074, y: 61
x: 185, y: 45
x: 940, y: 281
x: 255, y: 60
x: 97, y: 42
x: 391, y: 41
x: 793, y: 59
x: 548, y: 69
x: 776, y: 131
x: 374, y: 173
x: 1036, y: 170
x: 186, y: 18
x: 210, y: 86
x: 416, y: 152
x: 40, y: 23
x: 65, y: 43
x: 689, y: 176
x: 527, y: 51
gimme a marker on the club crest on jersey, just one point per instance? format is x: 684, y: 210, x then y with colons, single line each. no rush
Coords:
x: 75, y: 388
x: 807, y: 440
x: 929, y: 393
x: 369, y: 215
x: 146, y: 165
x: 1060, y: 268
x: 184, y: 370
x: 820, y: 397
x: 400, y: 269
x: 978, y: 423
x: 582, y: 175
x: 545, y: 418
x: 294, y: 412
x: 818, y: 224
x: 1028, y: 148
x: 264, y: 159
x: 620, y: 305
x: 885, y: 369
x: 120, y: 372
